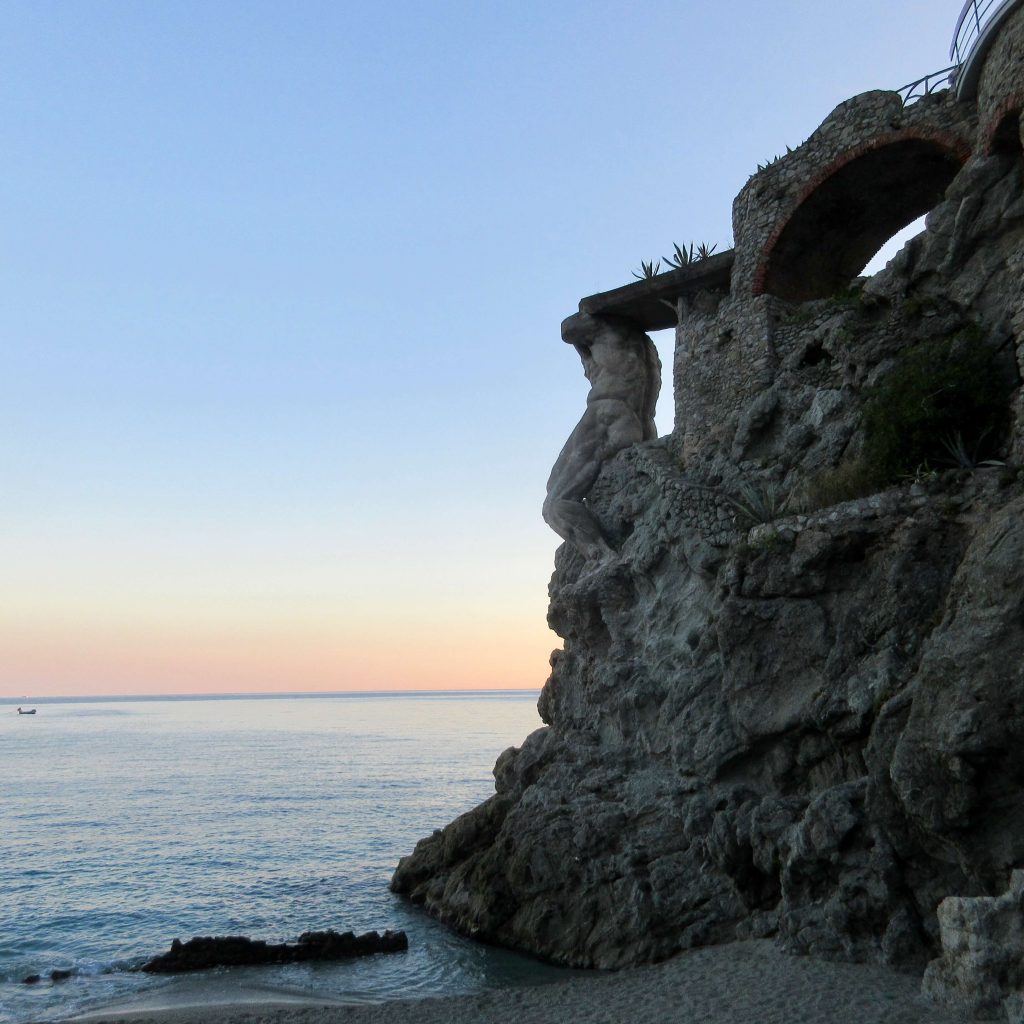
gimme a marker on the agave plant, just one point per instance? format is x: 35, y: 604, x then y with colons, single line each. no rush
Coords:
x: 693, y: 254
x: 681, y: 257
x: 963, y: 457
x: 759, y: 503
x: 648, y: 270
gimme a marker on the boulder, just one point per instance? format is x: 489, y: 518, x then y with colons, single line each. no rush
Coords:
x: 202, y: 953
x: 981, y: 969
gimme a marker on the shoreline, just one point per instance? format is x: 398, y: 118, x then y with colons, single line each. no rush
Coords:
x: 742, y: 983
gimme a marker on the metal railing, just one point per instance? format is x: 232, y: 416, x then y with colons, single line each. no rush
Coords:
x: 976, y: 28
x: 969, y: 27
x: 937, y: 81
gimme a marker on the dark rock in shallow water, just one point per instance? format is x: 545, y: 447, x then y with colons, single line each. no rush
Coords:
x: 204, y: 952
x: 32, y: 979
x: 58, y: 975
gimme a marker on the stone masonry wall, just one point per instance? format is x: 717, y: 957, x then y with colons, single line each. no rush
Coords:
x: 1001, y: 87
x: 724, y: 359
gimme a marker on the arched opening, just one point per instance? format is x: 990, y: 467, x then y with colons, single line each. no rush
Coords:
x: 893, y: 246
x: 1005, y: 140
x: 847, y: 218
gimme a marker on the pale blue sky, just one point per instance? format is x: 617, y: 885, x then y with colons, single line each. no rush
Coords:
x: 280, y: 293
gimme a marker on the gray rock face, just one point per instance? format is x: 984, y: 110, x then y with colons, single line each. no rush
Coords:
x: 765, y: 722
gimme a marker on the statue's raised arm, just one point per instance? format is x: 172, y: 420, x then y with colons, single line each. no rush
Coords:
x: 624, y: 371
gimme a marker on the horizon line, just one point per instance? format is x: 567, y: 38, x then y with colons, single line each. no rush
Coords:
x: 267, y: 694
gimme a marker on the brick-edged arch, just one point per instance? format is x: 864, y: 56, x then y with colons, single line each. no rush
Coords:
x: 1002, y: 133
x: 856, y: 204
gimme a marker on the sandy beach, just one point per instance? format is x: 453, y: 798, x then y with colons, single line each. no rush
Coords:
x: 744, y: 983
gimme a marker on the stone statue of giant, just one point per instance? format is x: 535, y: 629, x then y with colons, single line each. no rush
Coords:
x: 624, y: 371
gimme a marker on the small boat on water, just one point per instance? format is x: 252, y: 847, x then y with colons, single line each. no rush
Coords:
x: 22, y: 711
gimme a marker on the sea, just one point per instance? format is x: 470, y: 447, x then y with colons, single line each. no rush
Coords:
x: 130, y: 822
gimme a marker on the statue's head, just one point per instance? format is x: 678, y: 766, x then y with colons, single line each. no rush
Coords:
x: 580, y: 329
x: 585, y: 330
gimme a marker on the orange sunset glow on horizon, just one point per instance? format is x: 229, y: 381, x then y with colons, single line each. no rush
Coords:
x: 86, y: 663
x: 95, y: 623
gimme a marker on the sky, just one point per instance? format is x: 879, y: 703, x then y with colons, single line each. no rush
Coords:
x: 281, y: 379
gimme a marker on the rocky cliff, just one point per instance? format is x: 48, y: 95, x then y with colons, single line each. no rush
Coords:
x: 793, y: 707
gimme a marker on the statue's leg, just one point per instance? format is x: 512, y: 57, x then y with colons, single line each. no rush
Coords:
x: 571, y: 479
x: 572, y: 521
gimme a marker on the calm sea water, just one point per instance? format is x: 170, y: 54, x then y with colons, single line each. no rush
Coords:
x: 128, y: 823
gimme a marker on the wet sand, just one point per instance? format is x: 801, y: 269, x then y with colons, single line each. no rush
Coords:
x: 743, y: 983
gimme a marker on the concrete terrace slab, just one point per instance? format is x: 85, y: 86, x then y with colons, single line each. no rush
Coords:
x: 643, y: 302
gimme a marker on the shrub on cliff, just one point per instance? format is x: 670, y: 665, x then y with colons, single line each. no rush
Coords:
x: 852, y: 478
x: 937, y: 390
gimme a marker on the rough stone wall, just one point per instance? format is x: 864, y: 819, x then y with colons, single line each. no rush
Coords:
x: 1001, y: 86
x: 810, y: 728
x: 724, y: 358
